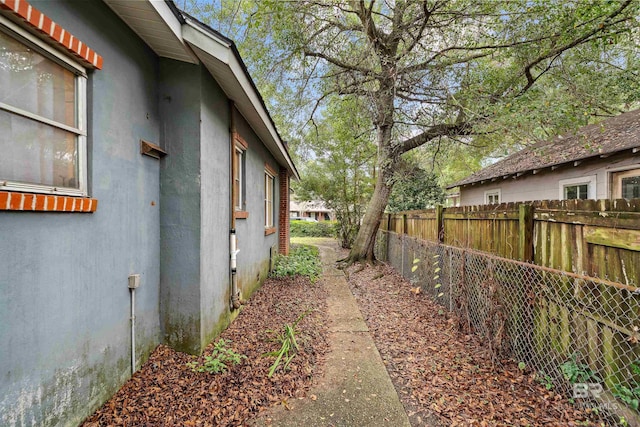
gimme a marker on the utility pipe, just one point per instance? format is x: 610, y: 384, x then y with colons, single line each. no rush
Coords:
x: 233, y: 248
x: 133, y: 330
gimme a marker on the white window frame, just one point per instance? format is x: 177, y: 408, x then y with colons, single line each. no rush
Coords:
x: 240, y: 156
x: 493, y: 192
x: 616, y: 180
x: 590, y: 181
x: 269, y: 179
x: 23, y: 36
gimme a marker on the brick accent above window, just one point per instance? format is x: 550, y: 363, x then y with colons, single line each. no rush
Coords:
x: 12, y: 201
x: 43, y: 25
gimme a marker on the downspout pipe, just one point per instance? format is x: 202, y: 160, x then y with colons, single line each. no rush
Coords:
x: 233, y: 242
x: 233, y: 248
x: 133, y: 331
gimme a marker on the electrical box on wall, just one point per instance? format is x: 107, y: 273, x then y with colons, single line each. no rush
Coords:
x: 134, y: 281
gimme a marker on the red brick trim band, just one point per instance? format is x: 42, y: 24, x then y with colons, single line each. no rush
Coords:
x: 241, y: 214
x: 240, y: 141
x: 11, y: 201
x: 271, y: 171
x: 269, y: 230
x: 38, y: 21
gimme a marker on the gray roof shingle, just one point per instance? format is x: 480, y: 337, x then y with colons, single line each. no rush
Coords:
x: 609, y: 136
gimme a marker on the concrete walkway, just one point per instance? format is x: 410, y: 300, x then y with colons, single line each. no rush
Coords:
x: 355, y: 389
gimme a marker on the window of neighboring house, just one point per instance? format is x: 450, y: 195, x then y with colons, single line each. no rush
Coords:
x: 626, y: 184
x: 492, y: 197
x: 42, y: 117
x: 582, y: 188
x: 238, y: 179
x: 268, y: 199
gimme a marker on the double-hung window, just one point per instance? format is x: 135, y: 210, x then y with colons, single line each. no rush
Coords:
x: 268, y: 199
x: 238, y: 179
x: 42, y: 116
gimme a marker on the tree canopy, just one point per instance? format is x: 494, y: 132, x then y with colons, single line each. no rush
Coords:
x: 436, y: 72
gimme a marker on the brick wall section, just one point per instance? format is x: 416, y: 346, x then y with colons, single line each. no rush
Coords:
x: 49, y: 30
x: 283, y: 213
x: 12, y: 201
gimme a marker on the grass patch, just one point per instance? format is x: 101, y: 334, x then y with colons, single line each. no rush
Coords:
x: 303, y: 260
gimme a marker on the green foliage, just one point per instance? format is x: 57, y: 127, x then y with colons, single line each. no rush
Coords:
x: 288, y: 345
x: 313, y: 229
x: 545, y: 380
x: 414, y: 189
x: 219, y: 361
x: 303, y: 260
x: 341, y: 166
x: 576, y: 372
x: 630, y: 395
x: 522, y: 366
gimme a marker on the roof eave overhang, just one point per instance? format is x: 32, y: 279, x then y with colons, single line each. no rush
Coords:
x: 157, y: 24
x: 220, y: 59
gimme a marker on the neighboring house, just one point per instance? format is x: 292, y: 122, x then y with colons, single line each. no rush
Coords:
x: 600, y: 161
x: 129, y: 133
x: 315, y: 209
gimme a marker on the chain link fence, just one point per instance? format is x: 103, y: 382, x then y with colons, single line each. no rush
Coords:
x: 579, y: 334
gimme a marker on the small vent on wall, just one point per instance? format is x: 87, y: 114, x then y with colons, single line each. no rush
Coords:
x: 151, y: 150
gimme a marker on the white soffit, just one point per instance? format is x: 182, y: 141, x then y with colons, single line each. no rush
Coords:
x: 217, y: 56
x: 156, y: 24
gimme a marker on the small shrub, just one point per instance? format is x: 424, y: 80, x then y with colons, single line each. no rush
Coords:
x: 219, y: 360
x: 313, y: 229
x: 576, y: 372
x: 630, y: 395
x: 303, y: 260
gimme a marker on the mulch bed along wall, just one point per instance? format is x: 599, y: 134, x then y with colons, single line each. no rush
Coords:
x: 165, y: 392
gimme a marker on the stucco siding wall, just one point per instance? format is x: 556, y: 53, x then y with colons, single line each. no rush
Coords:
x: 255, y: 247
x: 546, y: 185
x: 215, y: 210
x: 180, y: 218
x: 64, y: 301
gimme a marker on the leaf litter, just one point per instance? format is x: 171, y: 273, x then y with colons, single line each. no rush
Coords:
x: 166, y: 392
x: 443, y: 376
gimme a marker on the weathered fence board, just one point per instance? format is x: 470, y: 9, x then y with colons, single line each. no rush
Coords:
x: 597, y: 238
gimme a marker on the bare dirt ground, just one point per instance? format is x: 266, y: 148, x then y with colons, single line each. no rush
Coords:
x: 441, y: 372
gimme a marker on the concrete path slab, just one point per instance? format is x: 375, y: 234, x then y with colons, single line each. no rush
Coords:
x: 355, y: 389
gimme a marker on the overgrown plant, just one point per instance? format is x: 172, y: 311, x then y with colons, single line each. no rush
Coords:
x: 288, y: 345
x: 576, y: 372
x: 220, y: 359
x: 630, y: 395
x: 303, y: 260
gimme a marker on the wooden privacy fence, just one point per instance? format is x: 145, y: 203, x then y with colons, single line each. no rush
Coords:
x: 595, y: 238
x: 574, y: 301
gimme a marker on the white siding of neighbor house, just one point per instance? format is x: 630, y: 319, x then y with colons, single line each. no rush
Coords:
x: 545, y: 185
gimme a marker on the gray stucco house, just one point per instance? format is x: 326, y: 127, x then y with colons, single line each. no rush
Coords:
x: 599, y: 161
x: 133, y: 145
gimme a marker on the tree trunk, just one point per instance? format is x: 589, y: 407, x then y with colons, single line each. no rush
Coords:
x: 365, y: 242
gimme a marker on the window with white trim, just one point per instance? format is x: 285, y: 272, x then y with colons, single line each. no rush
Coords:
x: 42, y: 116
x: 581, y: 188
x: 269, y: 183
x: 626, y: 184
x: 238, y: 179
x: 492, y: 197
